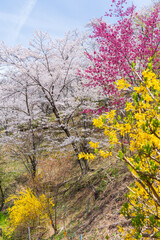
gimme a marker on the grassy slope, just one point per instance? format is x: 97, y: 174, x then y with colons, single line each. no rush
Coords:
x: 89, y: 204
x: 93, y: 203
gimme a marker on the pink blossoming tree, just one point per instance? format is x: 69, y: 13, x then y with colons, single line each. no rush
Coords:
x: 130, y: 41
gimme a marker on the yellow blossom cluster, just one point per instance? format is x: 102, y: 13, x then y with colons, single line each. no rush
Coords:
x: 94, y: 145
x: 104, y: 154
x: 98, y: 122
x: 140, y: 129
x: 87, y: 156
x: 122, y: 84
x: 27, y: 208
x: 142, y: 125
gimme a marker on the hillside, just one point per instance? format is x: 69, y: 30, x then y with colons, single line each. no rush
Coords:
x: 88, y: 205
x: 80, y: 131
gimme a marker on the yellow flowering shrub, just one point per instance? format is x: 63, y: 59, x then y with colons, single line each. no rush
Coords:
x: 27, y: 210
x: 122, y: 84
x: 142, y: 125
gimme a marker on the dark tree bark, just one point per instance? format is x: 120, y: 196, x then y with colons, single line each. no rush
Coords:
x: 2, y: 196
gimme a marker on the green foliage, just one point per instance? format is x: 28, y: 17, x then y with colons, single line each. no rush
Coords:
x: 120, y: 155
x: 3, y: 219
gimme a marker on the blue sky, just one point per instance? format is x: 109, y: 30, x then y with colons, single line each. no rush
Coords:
x: 20, y: 18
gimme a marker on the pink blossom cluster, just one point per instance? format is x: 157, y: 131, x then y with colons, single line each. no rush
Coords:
x: 133, y: 38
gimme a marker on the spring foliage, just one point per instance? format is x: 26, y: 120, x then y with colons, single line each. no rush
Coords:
x: 28, y: 209
x: 141, y: 130
x: 134, y: 37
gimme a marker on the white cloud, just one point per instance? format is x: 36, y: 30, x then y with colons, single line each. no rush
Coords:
x: 25, y: 13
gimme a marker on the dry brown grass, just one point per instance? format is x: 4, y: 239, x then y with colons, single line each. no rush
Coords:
x: 103, y: 214
x: 104, y: 188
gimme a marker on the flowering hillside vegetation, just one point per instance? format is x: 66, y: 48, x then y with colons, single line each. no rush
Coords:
x: 67, y: 106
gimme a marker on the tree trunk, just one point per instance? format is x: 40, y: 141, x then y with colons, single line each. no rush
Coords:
x: 2, y: 197
x: 65, y: 129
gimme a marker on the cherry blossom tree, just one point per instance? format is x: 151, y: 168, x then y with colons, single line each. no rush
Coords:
x: 19, y: 113
x: 41, y: 84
